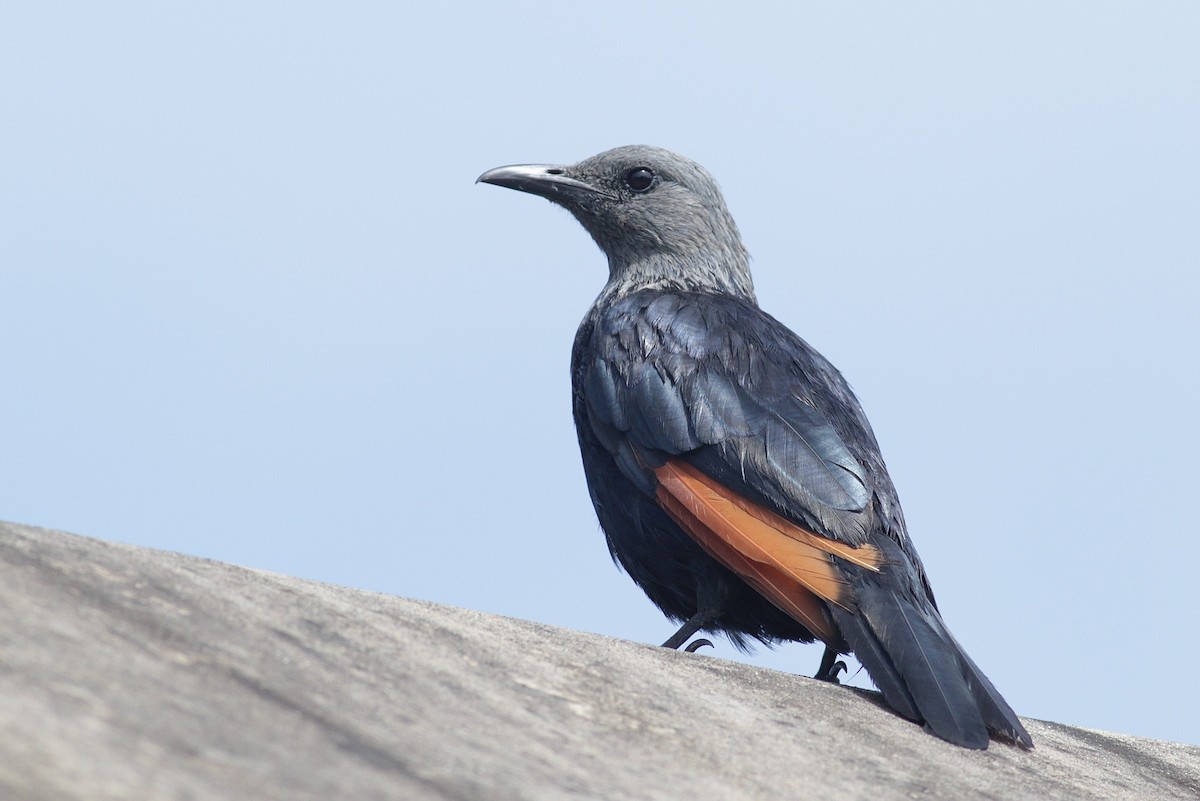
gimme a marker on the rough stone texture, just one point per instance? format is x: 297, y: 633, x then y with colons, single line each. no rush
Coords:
x: 129, y: 673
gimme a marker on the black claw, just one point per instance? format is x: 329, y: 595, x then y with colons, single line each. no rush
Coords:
x: 832, y: 676
x: 831, y: 666
x: 697, y: 622
x: 700, y: 643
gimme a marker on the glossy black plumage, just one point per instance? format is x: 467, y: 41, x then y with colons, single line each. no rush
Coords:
x: 676, y: 361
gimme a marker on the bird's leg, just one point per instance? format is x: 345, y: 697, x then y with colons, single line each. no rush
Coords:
x: 694, y: 624
x: 831, y: 666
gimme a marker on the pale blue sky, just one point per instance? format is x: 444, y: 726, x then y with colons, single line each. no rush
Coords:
x: 255, y: 309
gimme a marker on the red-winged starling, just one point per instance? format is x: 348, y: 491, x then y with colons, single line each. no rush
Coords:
x: 734, y: 472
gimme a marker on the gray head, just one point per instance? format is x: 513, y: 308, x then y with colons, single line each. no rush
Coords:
x: 659, y: 218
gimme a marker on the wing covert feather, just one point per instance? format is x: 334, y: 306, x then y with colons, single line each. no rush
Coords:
x: 678, y: 375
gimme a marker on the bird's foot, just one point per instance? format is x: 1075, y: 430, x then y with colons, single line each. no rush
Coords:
x: 831, y: 666
x: 831, y: 675
x: 696, y: 645
x: 694, y: 624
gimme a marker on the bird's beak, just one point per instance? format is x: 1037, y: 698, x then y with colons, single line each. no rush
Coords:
x: 548, y: 180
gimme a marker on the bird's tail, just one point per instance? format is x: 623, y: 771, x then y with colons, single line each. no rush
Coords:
x: 923, y: 672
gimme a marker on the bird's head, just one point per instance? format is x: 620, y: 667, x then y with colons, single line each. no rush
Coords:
x: 659, y: 217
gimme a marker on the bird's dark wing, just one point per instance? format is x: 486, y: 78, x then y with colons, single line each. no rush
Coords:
x: 724, y: 417
x: 717, y: 383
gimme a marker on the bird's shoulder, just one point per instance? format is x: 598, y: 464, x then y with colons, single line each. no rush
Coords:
x: 681, y: 332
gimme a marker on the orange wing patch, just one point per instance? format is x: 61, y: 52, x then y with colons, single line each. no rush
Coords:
x: 788, y: 564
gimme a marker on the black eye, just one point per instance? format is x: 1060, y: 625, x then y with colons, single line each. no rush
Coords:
x: 640, y: 179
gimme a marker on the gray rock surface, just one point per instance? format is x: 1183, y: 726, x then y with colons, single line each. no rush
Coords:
x: 129, y: 673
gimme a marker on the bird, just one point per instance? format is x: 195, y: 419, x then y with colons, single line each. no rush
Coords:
x: 733, y: 470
